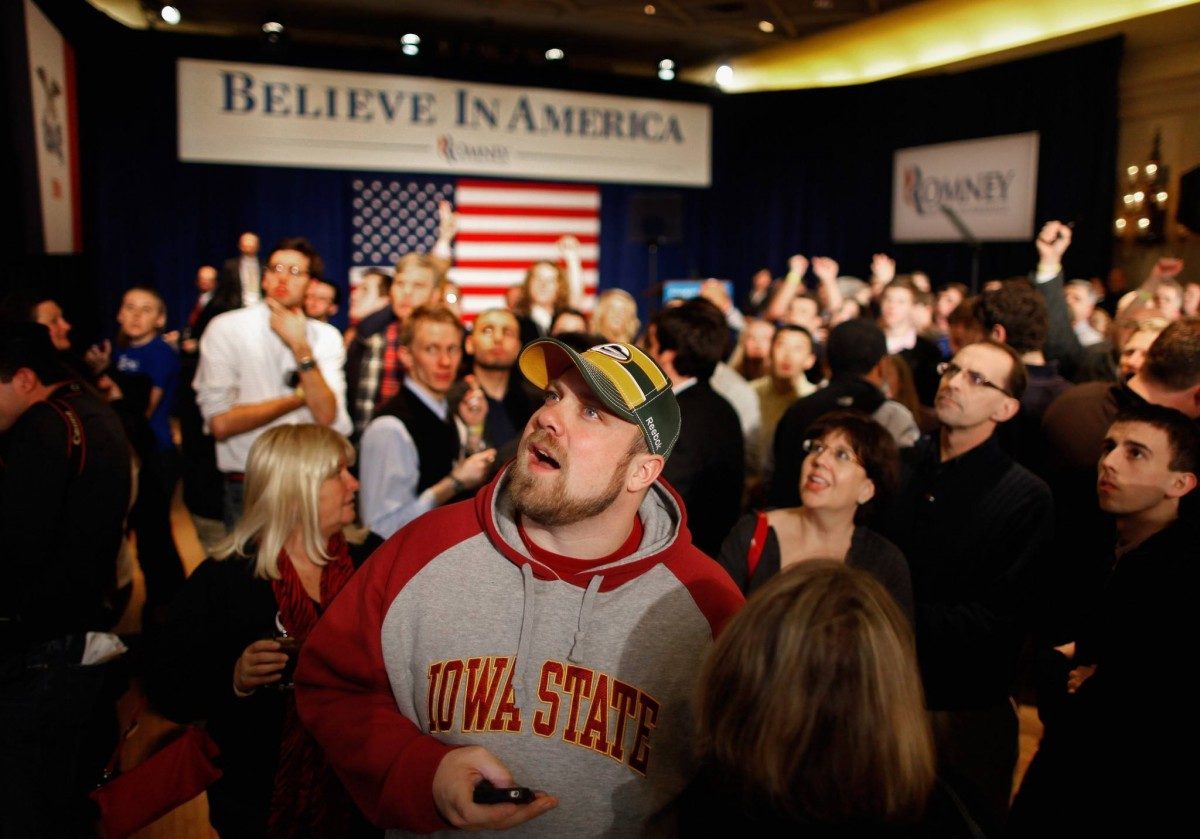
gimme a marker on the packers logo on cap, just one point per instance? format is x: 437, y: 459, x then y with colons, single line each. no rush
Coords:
x: 617, y: 351
x: 623, y: 377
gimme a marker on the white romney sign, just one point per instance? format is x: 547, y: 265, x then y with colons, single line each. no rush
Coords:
x: 291, y: 116
x: 989, y: 185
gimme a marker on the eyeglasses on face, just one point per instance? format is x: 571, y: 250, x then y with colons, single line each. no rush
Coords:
x: 841, y: 454
x: 293, y: 270
x: 948, y: 370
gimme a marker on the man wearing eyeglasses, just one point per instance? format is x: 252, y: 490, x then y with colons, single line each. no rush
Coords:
x: 267, y: 365
x: 974, y: 526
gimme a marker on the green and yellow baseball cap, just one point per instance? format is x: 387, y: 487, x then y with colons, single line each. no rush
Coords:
x: 623, y: 377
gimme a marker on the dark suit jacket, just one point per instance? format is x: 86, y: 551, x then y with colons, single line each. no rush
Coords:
x: 707, y: 467
x: 230, y: 277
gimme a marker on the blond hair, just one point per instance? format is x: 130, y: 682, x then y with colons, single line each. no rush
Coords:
x: 604, y: 304
x: 284, y: 472
x: 811, y: 700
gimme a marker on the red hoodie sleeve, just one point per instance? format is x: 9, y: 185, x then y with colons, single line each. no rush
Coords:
x: 344, y: 696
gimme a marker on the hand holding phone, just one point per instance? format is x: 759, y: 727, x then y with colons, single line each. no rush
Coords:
x: 487, y: 793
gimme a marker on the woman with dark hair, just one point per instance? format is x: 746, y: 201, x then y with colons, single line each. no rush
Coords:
x: 851, y: 461
x: 221, y: 657
x: 812, y: 721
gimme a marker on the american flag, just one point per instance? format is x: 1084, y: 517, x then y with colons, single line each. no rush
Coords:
x: 390, y: 217
x: 503, y: 228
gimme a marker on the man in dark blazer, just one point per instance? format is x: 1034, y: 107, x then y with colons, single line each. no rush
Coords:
x: 244, y: 271
x: 708, y: 466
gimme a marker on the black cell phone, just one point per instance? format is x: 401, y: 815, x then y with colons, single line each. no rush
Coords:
x: 487, y: 793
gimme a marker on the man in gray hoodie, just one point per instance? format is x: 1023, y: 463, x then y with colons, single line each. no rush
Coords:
x: 546, y: 634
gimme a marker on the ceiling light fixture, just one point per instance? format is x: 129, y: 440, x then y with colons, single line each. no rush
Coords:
x: 649, y: 9
x: 170, y: 14
x: 555, y: 54
x: 666, y: 69
x: 410, y: 43
x: 724, y: 75
x: 766, y: 26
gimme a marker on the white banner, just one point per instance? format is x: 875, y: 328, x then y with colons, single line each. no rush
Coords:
x: 52, y: 82
x: 291, y: 116
x: 982, y: 189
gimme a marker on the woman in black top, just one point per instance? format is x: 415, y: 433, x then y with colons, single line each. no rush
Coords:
x: 851, y: 462
x: 220, y: 659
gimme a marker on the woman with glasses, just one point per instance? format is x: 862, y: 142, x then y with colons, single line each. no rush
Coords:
x: 235, y: 630
x: 850, y: 463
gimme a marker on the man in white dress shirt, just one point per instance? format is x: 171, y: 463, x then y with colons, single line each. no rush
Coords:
x: 268, y: 365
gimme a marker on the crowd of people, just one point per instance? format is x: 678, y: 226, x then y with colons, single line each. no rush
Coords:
x: 930, y: 501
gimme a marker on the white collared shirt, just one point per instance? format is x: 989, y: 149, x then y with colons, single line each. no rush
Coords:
x: 242, y: 362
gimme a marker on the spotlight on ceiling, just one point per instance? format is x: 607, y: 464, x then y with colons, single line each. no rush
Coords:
x: 649, y: 9
x: 410, y: 43
x: 666, y: 69
x: 273, y: 30
x: 766, y: 26
x: 555, y: 54
x: 724, y: 75
x: 170, y: 14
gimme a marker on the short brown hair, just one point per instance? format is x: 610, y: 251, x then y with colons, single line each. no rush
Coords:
x: 1018, y: 376
x: 873, y: 445
x: 432, y: 313
x: 316, y: 265
x: 1022, y: 313
x: 811, y: 700
x: 1173, y: 360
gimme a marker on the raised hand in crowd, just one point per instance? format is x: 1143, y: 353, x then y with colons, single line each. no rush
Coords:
x: 883, y: 271
x: 1052, y: 242
x: 792, y: 285
x: 797, y: 265
x: 1167, y: 267
x: 568, y: 248
x: 826, y: 268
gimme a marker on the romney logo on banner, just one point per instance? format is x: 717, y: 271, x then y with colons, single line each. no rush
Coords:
x: 503, y: 228
x: 981, y: 189
x: 330, y: 119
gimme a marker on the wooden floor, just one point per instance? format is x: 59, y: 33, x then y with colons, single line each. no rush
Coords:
x: 191, y: 820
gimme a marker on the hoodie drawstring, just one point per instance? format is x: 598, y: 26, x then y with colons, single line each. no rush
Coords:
x: 526, y: 632
x: 585, y: 618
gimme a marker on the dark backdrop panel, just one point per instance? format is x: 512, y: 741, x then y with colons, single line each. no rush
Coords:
x: 806, y: 171
x: 811, y: 171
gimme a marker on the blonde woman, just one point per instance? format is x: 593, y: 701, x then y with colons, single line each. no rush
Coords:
x: 615, y: 316
x: 812, y: 720
x: 220, y: 659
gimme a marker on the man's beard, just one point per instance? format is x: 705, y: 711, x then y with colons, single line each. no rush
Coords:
x: 484, y: 364
x: 547, y: 502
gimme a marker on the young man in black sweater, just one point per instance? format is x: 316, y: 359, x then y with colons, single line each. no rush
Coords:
x: 1108, y: 756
